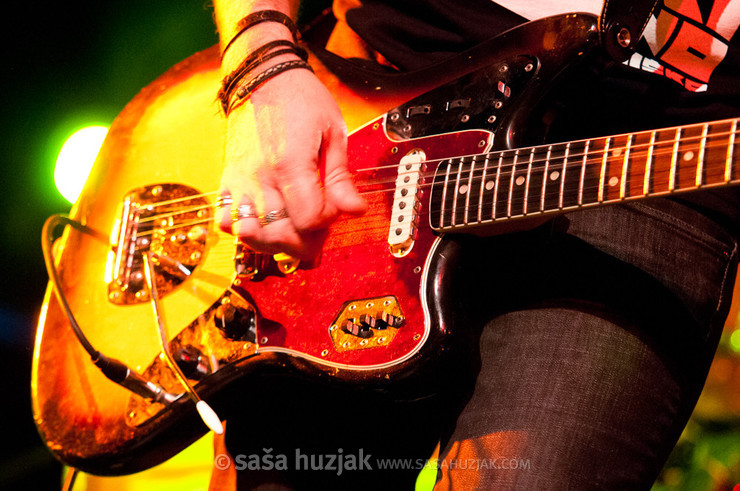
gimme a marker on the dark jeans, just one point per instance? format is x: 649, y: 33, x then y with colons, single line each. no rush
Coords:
x: 591, y: 372
x: 599, y: 330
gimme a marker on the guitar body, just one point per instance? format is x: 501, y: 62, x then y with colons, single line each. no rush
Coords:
x: 236, y: 315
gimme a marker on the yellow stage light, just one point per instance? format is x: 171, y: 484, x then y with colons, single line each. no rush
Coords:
x: 76, y: 159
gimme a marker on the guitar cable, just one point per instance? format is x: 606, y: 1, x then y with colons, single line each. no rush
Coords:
x: 115, y: 370
x: 207, y: 414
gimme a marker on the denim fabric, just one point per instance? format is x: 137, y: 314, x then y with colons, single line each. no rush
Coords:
x: 596, y: 351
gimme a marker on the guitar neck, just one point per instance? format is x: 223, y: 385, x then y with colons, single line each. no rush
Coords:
x: 527, y: 182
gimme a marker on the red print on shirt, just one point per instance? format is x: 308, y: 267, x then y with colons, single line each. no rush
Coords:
x: 689, y: 40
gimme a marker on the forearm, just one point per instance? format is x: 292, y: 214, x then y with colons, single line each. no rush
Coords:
x: 228, y: 13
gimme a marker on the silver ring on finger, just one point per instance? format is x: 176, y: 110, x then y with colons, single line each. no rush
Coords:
x: 273, y: 216
x: 243, y: 211
x: 223, y: 202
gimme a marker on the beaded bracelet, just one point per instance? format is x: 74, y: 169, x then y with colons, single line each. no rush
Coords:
x: 257, y: 18
x: 249, y: 86
x: 257, y: 57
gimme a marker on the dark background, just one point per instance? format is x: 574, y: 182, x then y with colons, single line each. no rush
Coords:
x: 64, y: 65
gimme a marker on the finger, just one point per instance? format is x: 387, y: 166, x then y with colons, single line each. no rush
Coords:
x: 277, y: 232
x: 223, y: 206
x: 303, y: 196
x: 339, y: 189
x: 244, y: 220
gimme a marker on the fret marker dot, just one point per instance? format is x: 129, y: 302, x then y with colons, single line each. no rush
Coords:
x: 489, y: 185
x: 614, y: 181
x: 463, y: 189
x: 617, y: 152
x: 688, y: 155
x: 520, y: 180
x: 554, y: 175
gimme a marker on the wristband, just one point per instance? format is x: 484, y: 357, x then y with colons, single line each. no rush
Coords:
x: 248, y: 87
x: 259, y: 17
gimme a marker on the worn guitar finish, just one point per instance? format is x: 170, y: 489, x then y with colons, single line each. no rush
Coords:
x: 373, y: 312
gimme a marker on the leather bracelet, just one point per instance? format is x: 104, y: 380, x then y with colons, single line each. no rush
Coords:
x: 257, y: 57
x: 259, y: 17
x: 248, y: 87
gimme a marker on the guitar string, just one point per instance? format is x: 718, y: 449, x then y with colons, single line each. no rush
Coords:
x: 477, y: 174
x: 533, y: 150
x: 589, y: 189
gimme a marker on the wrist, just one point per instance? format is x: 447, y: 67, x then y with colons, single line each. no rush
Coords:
x: 254, y: 31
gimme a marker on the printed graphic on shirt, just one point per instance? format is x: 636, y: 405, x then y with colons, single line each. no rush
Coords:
x: 688, y: 39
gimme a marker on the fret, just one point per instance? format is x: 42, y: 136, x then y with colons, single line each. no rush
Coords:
x: 505, y: 182
x: 511, y: 184
x: 719, y: 148
x: 639, y: 148
x: 591, y: 172
x: 486, y: 199
x: 455, y: 188
x: 544, y: 178
x: 481, y: 187
x: 625, y: 169
x: 537, y: 180
x: 603, y: 170
x: 435, y: 199
x: 448, y: 164
x: 662, y: 161
x: 461, y: 192
x: 527, y: 180
x: 688, y: 158
x: 583, y: 173
x: 614, y: 179
x: 495, y: 186
x: 562, y: 175
x: 571, y: 178
x: 648, y: 166
x: 674, y: 160
x: 700, y: 159
x: 470, y: 191
x: 730, y: 152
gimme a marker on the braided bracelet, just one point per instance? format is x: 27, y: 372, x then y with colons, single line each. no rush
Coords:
x: 257, y: 57
x: 249, y: 86
x: 259, y: 17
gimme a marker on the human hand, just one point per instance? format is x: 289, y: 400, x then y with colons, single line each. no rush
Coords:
x: 286, y: 150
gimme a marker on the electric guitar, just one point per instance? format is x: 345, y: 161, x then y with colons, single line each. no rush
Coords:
x: 434, y: 153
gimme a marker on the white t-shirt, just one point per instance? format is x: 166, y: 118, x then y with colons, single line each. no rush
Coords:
x: 536, y: 9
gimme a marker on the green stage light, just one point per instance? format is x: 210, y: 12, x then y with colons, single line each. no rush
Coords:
x: 76, y: 159
x: 735, y: 341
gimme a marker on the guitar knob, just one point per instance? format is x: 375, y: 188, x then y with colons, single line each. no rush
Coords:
x: 192, y: 363
x: 237, y: 324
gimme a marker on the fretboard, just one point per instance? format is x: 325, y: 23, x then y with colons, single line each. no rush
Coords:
x: 527, y: 182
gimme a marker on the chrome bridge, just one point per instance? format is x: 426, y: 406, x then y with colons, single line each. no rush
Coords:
x: 171, y: 222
